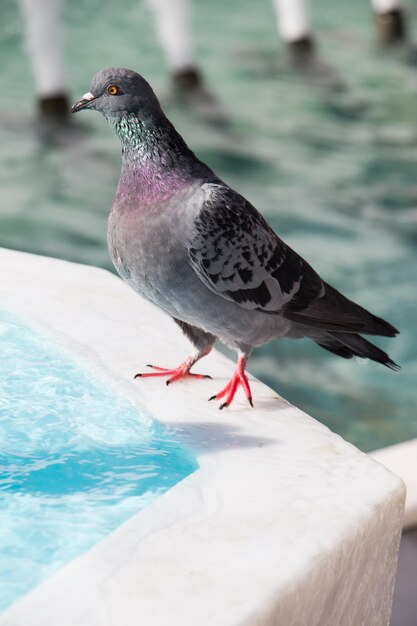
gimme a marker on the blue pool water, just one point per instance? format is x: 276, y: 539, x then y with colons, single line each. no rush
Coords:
x: 76, y: 460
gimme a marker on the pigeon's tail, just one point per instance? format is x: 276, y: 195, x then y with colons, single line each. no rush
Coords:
x: 348, y: 345
x: 333, y: 312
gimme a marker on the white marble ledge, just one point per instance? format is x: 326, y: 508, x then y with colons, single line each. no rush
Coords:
x: 402, y: 460
x: 283, y: 523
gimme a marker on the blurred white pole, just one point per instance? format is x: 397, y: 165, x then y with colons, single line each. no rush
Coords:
x: 173, y: 25
x: 43, y: 32
x: 384, y: 6
x: 293, y: 19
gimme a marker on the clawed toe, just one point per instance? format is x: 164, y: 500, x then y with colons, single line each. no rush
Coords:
x: 238, y: 379
x: 224, y: 405
x: 182, y: 371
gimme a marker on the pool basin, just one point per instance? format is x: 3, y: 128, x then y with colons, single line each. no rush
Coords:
x: 279, y: 512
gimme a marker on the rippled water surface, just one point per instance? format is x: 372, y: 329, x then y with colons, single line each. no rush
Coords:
x: 76, y: 460
x: 335, y: 173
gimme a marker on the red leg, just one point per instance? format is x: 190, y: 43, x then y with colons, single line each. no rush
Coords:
x: 182, y: 371
x: 238, y: 378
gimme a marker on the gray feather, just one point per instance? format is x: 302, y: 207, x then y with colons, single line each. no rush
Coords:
x: 238, y: 256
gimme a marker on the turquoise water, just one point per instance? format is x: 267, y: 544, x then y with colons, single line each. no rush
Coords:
x: 334, y: 173
x: 76, y: 460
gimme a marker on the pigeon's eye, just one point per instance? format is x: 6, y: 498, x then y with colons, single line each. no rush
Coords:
x: 112, y: 90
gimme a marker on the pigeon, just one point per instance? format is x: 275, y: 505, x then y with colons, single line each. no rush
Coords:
x: 197, y: 249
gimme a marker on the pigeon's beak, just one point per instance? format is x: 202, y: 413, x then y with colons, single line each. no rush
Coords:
x: 83, y: 103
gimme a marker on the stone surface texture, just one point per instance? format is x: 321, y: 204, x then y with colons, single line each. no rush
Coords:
x: 402, y: 460
x: 283, y: 523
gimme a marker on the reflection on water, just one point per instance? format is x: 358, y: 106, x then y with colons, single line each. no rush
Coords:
x: 333, y: 171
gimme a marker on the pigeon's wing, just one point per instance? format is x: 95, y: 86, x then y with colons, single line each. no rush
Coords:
x: 239, y: 257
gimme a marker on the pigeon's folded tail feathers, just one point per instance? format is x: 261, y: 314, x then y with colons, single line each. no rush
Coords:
x: 348, y: 345
x: 334, y: 312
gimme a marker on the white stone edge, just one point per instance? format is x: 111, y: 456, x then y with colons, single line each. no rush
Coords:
x: 401, y: 459
x: 91, y: 589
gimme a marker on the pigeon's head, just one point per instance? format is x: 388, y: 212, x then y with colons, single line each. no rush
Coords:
x: 115, y: 91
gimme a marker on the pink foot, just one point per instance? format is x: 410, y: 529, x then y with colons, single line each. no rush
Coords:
x: 238, y: 378
x: 182, y: 371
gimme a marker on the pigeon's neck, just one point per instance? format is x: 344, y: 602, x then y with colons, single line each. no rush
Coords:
x: 156, y: 162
